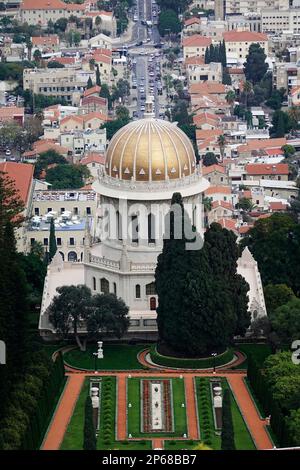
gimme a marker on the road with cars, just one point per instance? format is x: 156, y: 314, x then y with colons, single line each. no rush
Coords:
x: 146, y: 57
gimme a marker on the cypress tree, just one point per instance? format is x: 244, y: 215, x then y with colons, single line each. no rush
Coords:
x: 89, y: 83
x: 227, y: 436
x: 211, y: 53
x: 89, y: 435
x: 52, y: 241
x: 98, y: 79
x: 207, y: 56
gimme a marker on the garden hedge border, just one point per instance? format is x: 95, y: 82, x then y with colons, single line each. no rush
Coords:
x: 180, y: 363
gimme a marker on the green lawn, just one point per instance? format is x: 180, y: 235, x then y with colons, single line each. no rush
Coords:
x: 259, y: 351
x: 116, y: 357
x: 73, y: 439
x: 243, y: 440
x: 134, y: 413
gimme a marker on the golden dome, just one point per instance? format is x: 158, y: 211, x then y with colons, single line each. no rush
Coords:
x: 150, y: 150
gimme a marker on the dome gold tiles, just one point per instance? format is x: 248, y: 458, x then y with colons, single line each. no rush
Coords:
x: 150, y: 150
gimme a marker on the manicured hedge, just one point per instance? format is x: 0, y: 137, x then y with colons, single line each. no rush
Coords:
x: 45, y: 403
x: 181, y: 363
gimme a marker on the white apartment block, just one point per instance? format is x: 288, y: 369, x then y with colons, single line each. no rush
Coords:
x: 253, y: 6
x: 66, y: 83
x: 275, y: 21
x: 79, y: 142
x: 207, y: 72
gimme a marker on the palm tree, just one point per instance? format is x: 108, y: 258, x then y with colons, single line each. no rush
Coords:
x: 222, y: 144
x: 230, y: 98
x: 29, y: 46
x: 98, y: 22
x: 247, y: 89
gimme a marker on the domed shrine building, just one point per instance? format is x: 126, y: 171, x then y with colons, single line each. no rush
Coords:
x: 146, y: 162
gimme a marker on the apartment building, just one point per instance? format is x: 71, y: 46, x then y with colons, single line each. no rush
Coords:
x: 195, y: 45
x: 202, y: 73
x: 286, y: 75
x: 275, y: 21
x: 42, y: 11
x: 238, y: 43
x: 67, y: 83
x: 254, y: 6
x: 71, y: 210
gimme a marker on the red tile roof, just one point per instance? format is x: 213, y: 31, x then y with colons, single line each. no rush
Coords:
x: 45, y: 40
x: 43, y: 5
x: 267, y: 169
x: 224, y: 204
x: 207, y: 88
x: 196, y: 40
x: 194, y: 60
x: 192, y: 20
x: 206, y: 170
x: 92, y: 90
x: 22, y: 174
x: 244, y: 36
x: 93, y: 158
x: 277, y: 206
x: 218, y: 189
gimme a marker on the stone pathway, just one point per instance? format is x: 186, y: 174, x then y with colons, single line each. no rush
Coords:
x: 63, y: 413
x: 191, y: 408
x: 122, y: 407
x: 249, y: 412
x: 65, y: 409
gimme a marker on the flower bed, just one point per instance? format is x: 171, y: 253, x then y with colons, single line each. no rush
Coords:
x: 181, y: 363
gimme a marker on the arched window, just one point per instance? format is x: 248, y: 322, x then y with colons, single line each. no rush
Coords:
x: 152, y: 303
x: 115, y: 288
x: 94, y: 283
x: 72, y: 256
x: 104, y: 286
x: 119, y: 225
x: 151, y: 228
x: 62, y: 255
x: 137, y: 291
x: 150, y: 289
x: 135, y: 228
x: 194, y: 216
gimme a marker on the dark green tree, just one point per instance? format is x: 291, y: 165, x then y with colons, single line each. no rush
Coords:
x: 277, y: 295
x: 168, y: 22
x: 89, y: 433
x: 109, y: 315
x: 255, y: 65
x: 89, y: 83
x: 67, y: 176
x: 52, y: 241
x: 98, y: 78
x: 209, y: 159
x: 280, y: 124
x: 275, y: 245
x: 285, y: 321
x: 227, y: 436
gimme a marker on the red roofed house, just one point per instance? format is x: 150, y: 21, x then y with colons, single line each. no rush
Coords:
x: 192, y: 25
x: 215, y: 174
x: 277, y: 207
x: 220, y: 210
x: 94, y: 90
x: 238, y: 42
x: 46, y: 43
x: 12, y: 113
x: 278, y: 171
x: 22, y: 175
x: 219, y: 193
x: 246, y: 150
x: 41, y: 11
x: 195, y: 45
x: 94, y: 161
x: 93, y: 104
x: 208, y: 88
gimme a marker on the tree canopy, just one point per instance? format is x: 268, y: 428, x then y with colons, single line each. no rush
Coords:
x: 275, y: 244
x: 255, y: 65
x: 67, y: 176
x: 168, y: 22
x: 202, y: 301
